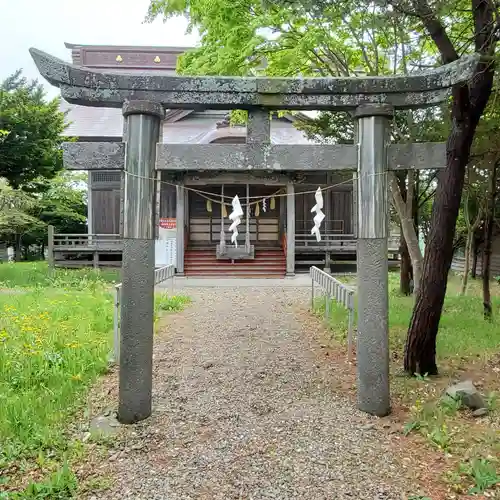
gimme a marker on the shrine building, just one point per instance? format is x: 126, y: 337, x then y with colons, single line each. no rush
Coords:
x: 189, y: 204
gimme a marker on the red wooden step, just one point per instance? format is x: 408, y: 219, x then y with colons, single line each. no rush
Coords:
x: 268, y: 263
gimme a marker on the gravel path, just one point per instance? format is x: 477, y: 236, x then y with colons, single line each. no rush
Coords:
x: 245, y: 410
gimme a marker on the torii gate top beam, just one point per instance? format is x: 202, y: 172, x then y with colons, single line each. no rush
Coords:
x: 107, y: 89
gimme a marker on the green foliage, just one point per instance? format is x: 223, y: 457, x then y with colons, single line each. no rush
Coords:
x: 171, y: 303
x: 61, y: 485
x: 61, y: 202
x: 483, y: 474
x: 55, y: 339
x: 32, y: 133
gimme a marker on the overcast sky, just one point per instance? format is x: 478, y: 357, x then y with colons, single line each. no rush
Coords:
x: 47, y: 24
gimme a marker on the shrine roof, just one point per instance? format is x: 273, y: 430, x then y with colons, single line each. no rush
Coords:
x: 180, y: 127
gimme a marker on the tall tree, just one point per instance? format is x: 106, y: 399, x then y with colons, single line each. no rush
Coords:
x: 15, y: 217
x: 24, y: 217
x: 485, y: 161
x: 476, y: 21
x: 31, y: 133
x: 488, y: 237
x: 473, y: 212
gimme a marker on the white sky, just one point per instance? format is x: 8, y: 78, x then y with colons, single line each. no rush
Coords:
x: 47, y: 24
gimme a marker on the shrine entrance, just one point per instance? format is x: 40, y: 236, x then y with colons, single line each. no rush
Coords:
x: 372, y: 102
x: 208, y: 215
x: 260, y: 252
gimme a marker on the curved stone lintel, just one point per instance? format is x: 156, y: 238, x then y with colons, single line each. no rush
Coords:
x: 96, y: 88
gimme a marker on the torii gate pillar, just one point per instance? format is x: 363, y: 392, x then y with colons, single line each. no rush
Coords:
x: 372, y: 267
x: 138, y: 260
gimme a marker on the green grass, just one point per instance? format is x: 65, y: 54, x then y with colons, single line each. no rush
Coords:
x: 53, y: 344
x: 170, y: 303
x: 37, y: 274
x: 55, y: 341
x: 465, y: 342
x: 462, y: 330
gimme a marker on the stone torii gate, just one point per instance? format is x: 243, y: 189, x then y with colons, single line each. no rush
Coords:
x: 143, y: 99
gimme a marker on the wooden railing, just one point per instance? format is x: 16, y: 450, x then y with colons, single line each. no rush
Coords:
x: 329, y: 240
x: 333, y: 240
x: 63, y: 242
x: 63, y: 248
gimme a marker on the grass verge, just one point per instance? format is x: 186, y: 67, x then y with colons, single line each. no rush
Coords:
x: 37, y: 274
x: 55, y: 341
x: 467, y: 347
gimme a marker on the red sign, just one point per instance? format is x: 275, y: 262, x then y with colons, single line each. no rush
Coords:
x: 168, y: 223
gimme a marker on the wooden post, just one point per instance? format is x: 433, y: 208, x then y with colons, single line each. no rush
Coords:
x: 180, y: 218
x: 247, y: 235
x: 96, y: 260
x: 290, y: 229
x: 222, y: 241
x: 50, y: 248
x: 327, y: 262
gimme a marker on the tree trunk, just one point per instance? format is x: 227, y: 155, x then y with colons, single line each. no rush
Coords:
x: 467, y: 105
x: 405, y: 214
x: 468, y: 246
x: 475, y: 252
x: 415, y: 207
x: 471, y: 231
x: 488, y: 236
x: 420, y: 348
x: 405, y: 270
x: 18, y: 256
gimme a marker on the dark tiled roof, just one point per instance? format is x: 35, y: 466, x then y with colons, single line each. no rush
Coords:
x: 85, y: 121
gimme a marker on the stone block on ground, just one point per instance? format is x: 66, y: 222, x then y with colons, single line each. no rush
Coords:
x: 105, y: 425
x: 468, y: 394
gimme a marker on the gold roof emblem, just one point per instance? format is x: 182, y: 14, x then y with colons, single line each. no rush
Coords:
x: 119, y: 58
x: 157, y: 59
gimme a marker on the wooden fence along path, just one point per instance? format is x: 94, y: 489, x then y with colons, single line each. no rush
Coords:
x: 333, y: 289
x: 458, y: 265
